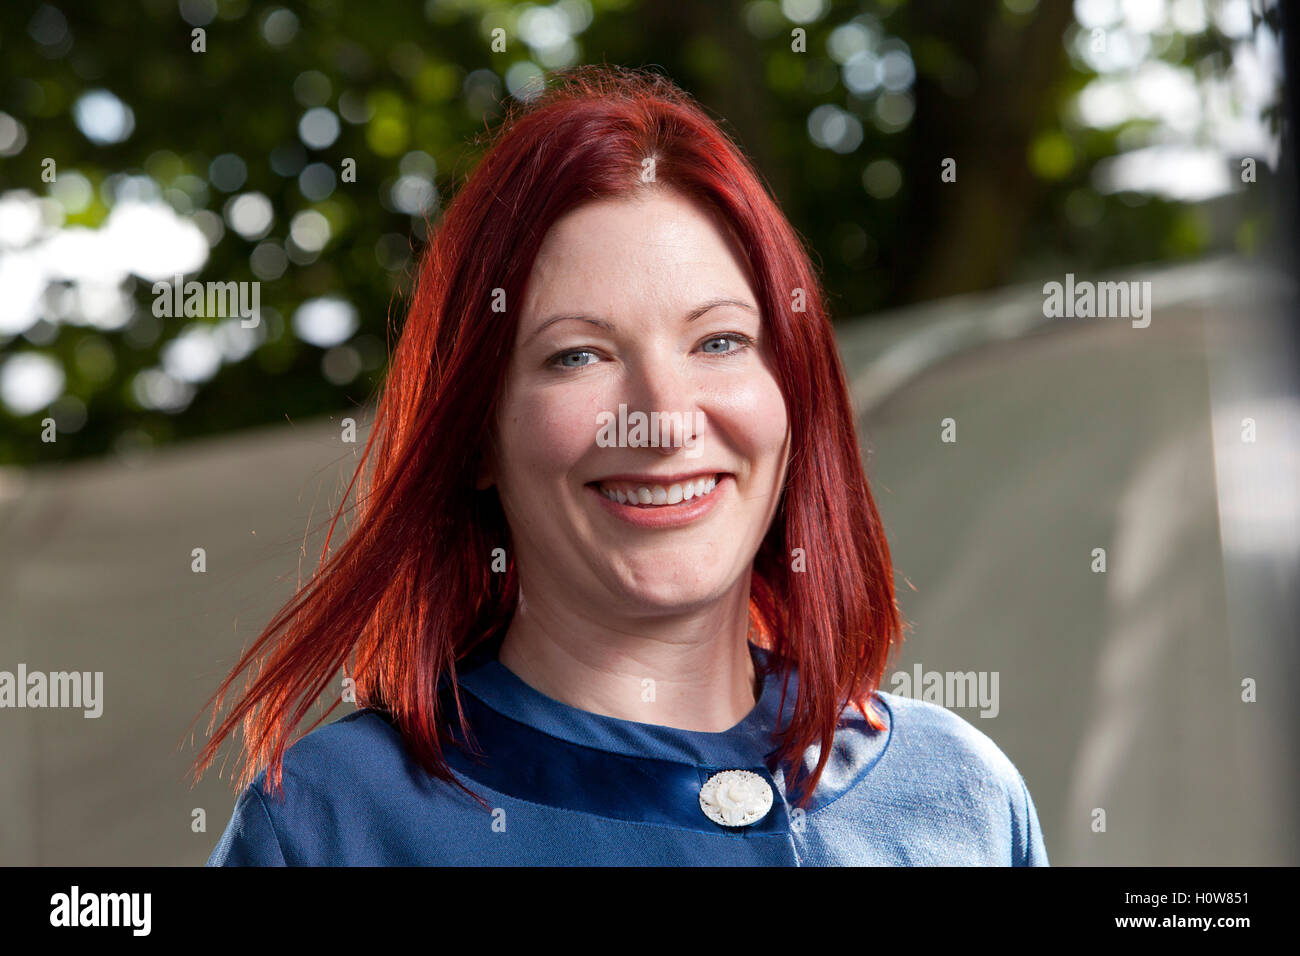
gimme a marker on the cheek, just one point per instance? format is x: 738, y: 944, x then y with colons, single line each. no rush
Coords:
x: 547, y: 431
x: 755, y: 414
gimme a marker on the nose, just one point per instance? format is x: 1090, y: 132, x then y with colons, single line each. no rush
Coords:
x: 661, y: 391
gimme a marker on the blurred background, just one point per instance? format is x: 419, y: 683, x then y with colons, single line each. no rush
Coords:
x: 943, y: 162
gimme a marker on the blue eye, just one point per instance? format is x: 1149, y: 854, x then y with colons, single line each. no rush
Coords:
x: 743, y: 341
x: 558, y: 359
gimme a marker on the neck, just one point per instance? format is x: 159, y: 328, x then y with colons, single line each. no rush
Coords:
x: 692, y: 673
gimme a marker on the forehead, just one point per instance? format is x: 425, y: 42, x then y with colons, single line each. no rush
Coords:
x: 657, y: 245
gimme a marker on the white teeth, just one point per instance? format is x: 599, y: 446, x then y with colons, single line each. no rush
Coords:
x: 660, y: 494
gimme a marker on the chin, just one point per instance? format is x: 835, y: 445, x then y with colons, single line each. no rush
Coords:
x: 688, y: 594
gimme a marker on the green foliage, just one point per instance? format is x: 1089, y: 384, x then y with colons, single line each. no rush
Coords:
x: 991, y: 86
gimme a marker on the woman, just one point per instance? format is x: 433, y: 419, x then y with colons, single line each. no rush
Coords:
x: 618, y: 592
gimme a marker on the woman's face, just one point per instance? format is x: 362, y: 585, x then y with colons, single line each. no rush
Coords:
x: 671, y: 327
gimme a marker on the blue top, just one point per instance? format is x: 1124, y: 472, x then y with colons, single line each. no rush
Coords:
x: 566, y: 786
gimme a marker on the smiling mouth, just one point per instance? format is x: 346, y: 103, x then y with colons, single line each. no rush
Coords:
x: 645, y: 495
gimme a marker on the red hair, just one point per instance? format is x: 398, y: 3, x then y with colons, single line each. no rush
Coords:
x: 411, y: 591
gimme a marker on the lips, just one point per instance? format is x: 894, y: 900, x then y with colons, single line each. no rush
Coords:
x: 651, y: 493
x: 709, y: 492
x: 658, y: 491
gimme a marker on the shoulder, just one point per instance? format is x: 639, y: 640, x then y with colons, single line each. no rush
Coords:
x: 944, y: 767
x: 321, y: 790
x: 320, y: 765
x: 361, y: 742
x: 932, y: 734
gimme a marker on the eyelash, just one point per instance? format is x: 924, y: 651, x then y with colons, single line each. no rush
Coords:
x: 744, y: 341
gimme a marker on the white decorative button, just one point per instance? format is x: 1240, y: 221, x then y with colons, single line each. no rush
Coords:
x: 735, y: 798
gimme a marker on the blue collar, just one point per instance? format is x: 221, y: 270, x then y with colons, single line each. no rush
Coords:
x: 748, y: 742
x: 530, y: 746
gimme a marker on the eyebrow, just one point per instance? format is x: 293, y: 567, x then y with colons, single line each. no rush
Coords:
x: 608, y: 326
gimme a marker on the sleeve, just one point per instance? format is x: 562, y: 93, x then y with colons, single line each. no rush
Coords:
x: 1028, y: 848
x: 250, y: 839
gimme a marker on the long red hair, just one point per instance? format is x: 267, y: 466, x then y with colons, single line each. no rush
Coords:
x: 412, y: 591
